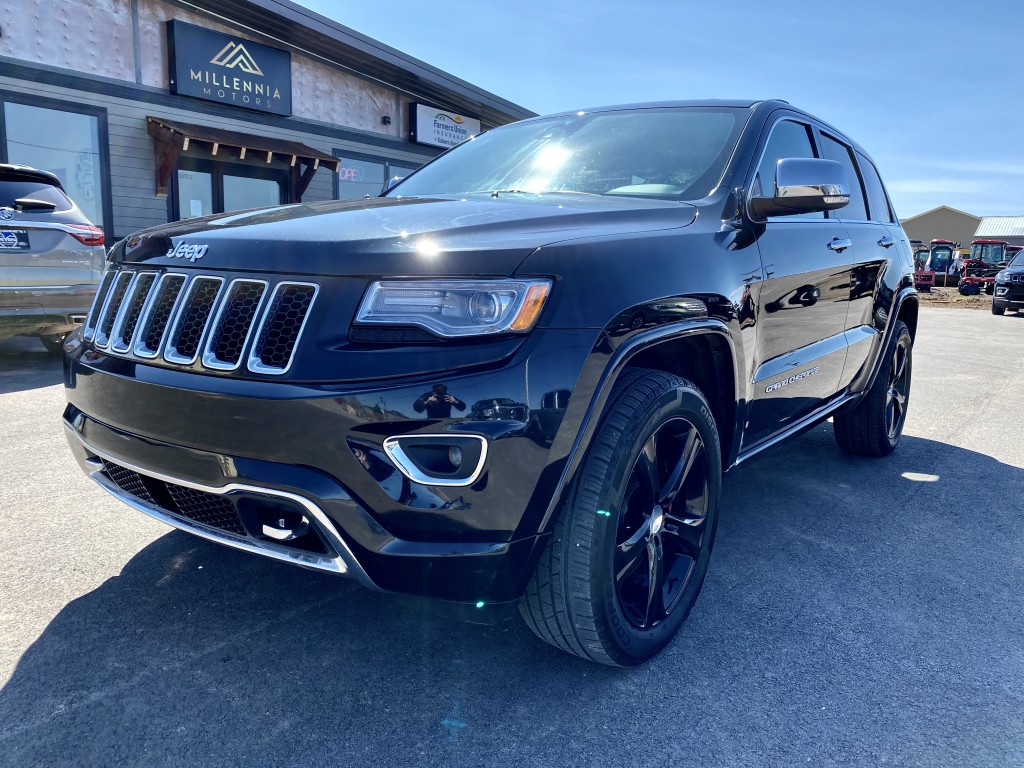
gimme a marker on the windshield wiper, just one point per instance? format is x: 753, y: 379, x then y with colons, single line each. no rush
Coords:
x: 31, y: 204
x: 496, y: 192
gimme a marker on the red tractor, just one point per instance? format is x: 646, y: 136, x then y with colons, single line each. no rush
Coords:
x: 924, y: 279
x: 979, y: 270
x: 942, y: 261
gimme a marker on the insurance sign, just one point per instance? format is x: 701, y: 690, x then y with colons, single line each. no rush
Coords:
x: 440, y: 128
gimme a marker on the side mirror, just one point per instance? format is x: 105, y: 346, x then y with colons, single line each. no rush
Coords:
x: 391, y: 184
x: 805, y: 185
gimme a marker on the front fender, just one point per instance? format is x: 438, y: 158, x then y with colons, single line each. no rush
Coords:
x: 601, y: 379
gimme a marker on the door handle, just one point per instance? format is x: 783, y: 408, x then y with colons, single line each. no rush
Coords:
x: 840, y: 244
x: 887, y: 242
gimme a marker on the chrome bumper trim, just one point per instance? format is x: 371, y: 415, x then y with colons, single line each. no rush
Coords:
x: 344, y: 564
x: 393, y: 448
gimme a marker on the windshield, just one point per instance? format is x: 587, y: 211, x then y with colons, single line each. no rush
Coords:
x: 673, y: 154
x: 1018, y: 260
x: 941, y: 257
x: 990, y: 253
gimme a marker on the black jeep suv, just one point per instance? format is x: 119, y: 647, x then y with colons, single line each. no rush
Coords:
x: 634, y: 299
x: 1009, y: 287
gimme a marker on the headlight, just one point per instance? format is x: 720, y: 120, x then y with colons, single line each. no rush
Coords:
x: 454, y: 308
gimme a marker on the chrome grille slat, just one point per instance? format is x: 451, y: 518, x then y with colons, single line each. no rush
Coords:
x: 225, y: 325
x: 99, y: 300
x: 111, y: 307
x: 131, y: 310
x: 192, y: 320
x: 281, y: 327
x: 158, y: 311
x: 234, y: 323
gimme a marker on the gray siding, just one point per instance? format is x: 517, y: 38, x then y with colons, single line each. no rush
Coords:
x: 132, y: 165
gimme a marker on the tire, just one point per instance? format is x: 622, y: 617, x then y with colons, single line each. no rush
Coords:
x: 998, y: 310
x: 990, y: 288
x: 874, y: 426
x: 54, y: 344
x: 613, y: 524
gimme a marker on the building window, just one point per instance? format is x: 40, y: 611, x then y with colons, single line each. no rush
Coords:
x: 195, y: 194
x: 68, y: 143
x: 360, y: 176
x: 242, y: 192
x: 203, y: 188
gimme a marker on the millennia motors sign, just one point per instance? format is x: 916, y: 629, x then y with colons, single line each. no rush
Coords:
x: 217, y: 67
x: 439, y: 128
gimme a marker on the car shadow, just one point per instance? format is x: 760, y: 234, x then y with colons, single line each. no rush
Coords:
x: 833, y: 578
x: 25, y: 364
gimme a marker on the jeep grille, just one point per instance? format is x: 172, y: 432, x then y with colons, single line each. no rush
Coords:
x: 201, y: 320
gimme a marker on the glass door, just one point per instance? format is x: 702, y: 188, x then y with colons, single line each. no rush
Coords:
x: 203, y: 188
x: 195, y: 194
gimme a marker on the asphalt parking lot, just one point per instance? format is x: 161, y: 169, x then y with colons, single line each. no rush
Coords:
x: 857, y: 612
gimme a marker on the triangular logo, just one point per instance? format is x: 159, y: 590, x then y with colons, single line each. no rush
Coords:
x: 234, y: 55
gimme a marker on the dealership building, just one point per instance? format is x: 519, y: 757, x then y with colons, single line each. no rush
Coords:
x: 152, y: 111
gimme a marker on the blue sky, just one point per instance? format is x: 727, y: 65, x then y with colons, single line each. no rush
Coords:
x: 933, y: 90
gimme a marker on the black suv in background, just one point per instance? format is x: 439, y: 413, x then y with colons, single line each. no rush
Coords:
x: 633, y: 299
x: 1008, y: 292
x: 51, y: 257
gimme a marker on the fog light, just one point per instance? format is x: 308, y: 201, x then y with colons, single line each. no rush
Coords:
x: 455, y: 456
x: 443, y: 460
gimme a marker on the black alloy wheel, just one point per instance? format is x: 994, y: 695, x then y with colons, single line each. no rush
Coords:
x: 662, y: 526
x: 898, y: 389
x: 631, y: 546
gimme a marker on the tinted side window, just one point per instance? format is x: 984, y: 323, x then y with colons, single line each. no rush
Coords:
x: 878, y: 204
x: 788, y: 139
x: 833, y: 150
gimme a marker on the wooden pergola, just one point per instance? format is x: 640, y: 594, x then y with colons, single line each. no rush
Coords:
x: 171, y: 138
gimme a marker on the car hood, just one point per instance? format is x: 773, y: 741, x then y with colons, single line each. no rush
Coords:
x: 470, y: 235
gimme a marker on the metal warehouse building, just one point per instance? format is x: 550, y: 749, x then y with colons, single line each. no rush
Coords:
x: 943, y: 223
x: 157, y: 110
x: 1007, y: 228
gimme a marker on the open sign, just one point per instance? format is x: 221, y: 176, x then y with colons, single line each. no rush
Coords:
x: 350, y: 174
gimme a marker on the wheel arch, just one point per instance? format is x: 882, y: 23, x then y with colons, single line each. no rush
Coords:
x: 907, y: 311
x: 703, y: 343
x: 904, y: 307
x: 705, y: 359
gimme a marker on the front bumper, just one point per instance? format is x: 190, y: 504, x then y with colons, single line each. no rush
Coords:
x: 320, y: 447
x: 1009, y: 296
